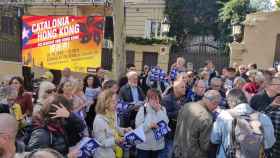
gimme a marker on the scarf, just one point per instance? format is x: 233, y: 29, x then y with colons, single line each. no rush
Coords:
x: 111, y: 121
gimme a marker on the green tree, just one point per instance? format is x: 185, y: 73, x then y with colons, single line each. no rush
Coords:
x: 277, y: 3
x: 192, y: 17
x: 234, y: 11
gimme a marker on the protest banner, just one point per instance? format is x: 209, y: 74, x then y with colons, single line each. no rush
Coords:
x: 56, y: 42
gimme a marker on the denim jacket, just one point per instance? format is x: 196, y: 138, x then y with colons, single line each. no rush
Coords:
x: 223, y: 125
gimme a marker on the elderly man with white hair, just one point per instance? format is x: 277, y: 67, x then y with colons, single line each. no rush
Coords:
x: 131, y: 93
x: 8, y: 132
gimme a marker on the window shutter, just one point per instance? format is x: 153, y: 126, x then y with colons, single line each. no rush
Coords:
x: 148, y: 29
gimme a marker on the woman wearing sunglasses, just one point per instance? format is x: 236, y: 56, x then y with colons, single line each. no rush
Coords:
x: 46, y: 90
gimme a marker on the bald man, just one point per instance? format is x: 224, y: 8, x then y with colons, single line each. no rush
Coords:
x: 8, y: 131
x: 194, y: 125
x: 197, y: 92
x: 173, y: 101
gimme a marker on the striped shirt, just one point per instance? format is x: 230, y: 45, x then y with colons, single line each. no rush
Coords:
x: 274, y: 114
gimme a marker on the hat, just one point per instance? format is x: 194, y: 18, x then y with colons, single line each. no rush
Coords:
x: 275, y: 80
x: 47, y: 75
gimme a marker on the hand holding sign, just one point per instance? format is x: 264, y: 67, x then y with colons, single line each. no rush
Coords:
x: 153, y: 126
x: 162, y: 130
x: 134, y: 137
x: 87, y: 147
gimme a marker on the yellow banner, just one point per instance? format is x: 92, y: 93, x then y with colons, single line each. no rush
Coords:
x: 56, y: 42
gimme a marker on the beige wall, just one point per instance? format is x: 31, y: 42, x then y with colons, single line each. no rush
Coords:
x: 259, y: 41
x: 163, y: 57
x: 8, y: 69
x: 139, y: 11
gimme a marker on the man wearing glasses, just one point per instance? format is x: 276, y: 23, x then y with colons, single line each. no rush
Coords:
x: 263, y: 99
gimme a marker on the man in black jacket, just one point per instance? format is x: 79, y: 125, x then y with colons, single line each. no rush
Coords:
x: 123, y: 81
x: 264, y: 98
x: 173, y: 102
x: 131, y: 93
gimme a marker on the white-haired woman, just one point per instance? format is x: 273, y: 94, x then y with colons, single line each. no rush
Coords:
x: 46, y: 90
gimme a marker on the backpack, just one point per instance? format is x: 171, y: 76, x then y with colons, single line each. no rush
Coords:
x: 247, y: 140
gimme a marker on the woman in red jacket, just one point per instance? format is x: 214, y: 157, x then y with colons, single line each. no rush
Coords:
x: 24, y: 99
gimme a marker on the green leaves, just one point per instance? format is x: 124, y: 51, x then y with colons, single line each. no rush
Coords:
x: 277, y: 3
x: 234, y: 11
x: 192, y: 17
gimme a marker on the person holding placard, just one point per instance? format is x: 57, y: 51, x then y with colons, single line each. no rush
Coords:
x: 105, y: 128
x: 151, y: 116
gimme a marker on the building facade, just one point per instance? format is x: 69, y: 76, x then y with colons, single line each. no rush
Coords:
x: 261, y: 41
x: 145, y: 20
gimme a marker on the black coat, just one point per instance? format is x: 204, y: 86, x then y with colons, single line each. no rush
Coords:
x: 172, y: 106
x: 4, y: 108
x: 126, y: 94
x: 43, y: 138
x: 74, y: 127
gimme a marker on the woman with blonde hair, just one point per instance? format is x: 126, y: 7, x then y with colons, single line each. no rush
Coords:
x: 79, y: 98
x: 105, y: 128
x: 80, y: 103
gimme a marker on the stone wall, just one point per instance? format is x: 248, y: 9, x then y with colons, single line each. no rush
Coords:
x: 259, y: 42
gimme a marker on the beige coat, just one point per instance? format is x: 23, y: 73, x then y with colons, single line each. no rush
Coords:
x: 105, y: 136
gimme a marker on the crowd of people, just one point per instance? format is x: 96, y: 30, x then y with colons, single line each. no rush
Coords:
x: 232, y: 114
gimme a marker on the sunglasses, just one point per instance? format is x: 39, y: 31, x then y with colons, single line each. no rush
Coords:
x: 49, y: 91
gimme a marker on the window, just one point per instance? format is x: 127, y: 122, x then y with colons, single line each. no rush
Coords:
x: 10, y: 51
x: 153, y: 29
x: 150, y: 59
x: 130, y: 55
x: 107, y: 59
x: 7, y: 25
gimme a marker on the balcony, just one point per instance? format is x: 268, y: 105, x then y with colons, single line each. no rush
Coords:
x: 55, y: 2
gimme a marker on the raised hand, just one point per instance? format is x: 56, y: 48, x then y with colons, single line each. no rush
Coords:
x: 61, y: 111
